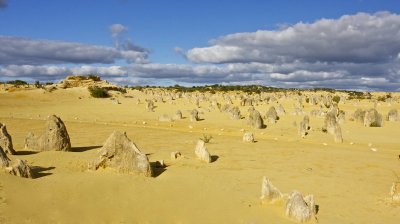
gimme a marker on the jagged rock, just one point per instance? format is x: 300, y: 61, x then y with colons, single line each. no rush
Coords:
x: 255, y: 119
x: 202, y: 152
x: 248, y: 137
x: 280, y: 110
x: 55, y: 137
x: 341, y: 117
x: 235, y: 113
x: 20, y: 168
x: 303, y: 129
x: 373, y: 118
x: 178, y: 115
x: 332, y: 127
x: 194, y: 115
x: 395, y: 192
x: 246, y: 102
x: 358, y: 115
x: 6, y: 140
x: 272, y: 115
x: 164, y: 118
x: 120, y: 153
x: 150, y: 106
x: 175, y: 155
x: 393, y: 115
x: 268, y: 191
x: 4, y: 160
x: 306, y: 121
x: 299, y: 208
x: 329, y: 123
x: 337, y: 133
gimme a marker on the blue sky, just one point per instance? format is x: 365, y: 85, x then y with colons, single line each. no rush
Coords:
x: 199, y: 29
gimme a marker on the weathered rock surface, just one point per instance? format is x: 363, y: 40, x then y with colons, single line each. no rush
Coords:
x: 268, y: 191
x: 20, y: 168
x: 120, y: 153
x: 4, y: 160
x: 6, y: 140
x: 55, y: 137
x: 299, y: 208
x: 255, y: 119
x: 248, y: 137
x: 202, y: 152
x: 393, y: 115
x: 373, y: 118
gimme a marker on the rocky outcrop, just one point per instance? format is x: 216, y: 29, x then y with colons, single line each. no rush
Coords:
x: 121, y: 154
x: 20, y: 168
x: 55, y: 137
x: 269, y: 192
x: 299, y: 208
x: 248, y: 137
x: 373, y: 118
x: 202, y: 152
x: 6, y: 140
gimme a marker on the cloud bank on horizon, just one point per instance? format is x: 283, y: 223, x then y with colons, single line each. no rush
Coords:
x: 360, y: 51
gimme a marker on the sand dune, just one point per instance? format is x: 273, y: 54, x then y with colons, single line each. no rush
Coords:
x: 350, y: 181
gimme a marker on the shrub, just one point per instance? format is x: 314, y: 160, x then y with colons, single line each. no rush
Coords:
x: 17, y: 82
x: 114, y: 88
x: 98, y: 92
x: 336, y: 99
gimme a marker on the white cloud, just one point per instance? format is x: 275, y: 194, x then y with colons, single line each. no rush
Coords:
x: 358, y: 51
x: 24, y: 51
x: 358, y: 38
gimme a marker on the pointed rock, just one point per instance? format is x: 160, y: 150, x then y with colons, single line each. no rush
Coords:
x: 55, y: 137
x: 202, y: 152
x: 120, y: 153
x: 20, y: 168
x: 299, y: 208
x: 6, y: 140
x: 268, y: 191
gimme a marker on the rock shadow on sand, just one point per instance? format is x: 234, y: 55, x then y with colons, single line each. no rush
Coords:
x: 157, y: 171
x: 24, y: 153
x: 214, y: 158
x: 39, y: 171
x: 84, y: 148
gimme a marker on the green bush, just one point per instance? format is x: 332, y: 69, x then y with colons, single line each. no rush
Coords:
x: 98, y: 92
x: 17, y: 82
x: 336, y: 99
x: 115, y: 88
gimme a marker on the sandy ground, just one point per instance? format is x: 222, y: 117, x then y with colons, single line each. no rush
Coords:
x: 350, y: 182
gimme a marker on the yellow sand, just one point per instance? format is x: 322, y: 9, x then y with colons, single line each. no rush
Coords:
x: 350, y: 182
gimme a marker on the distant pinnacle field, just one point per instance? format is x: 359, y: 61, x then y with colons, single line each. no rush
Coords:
x: 220, y: 179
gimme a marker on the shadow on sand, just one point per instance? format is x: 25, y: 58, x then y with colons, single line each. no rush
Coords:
x: 84, y: 148
x: 214, y: 158
x: 23, y: 153
x: 157, y: 170
x: 39, y: 171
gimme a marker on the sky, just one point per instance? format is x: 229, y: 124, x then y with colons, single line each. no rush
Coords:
x: 342, y: 44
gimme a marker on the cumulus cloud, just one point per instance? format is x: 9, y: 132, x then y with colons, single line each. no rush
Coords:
x: 3, y: 4
x: 254, y: 73
x: 24, y: 51
x: 358, y: 51
x: 359, y: 38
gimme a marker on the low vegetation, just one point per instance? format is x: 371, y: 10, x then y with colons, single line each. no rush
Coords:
x: 98, y: 92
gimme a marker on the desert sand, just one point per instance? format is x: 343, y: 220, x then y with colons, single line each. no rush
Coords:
x: 350, y: 181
